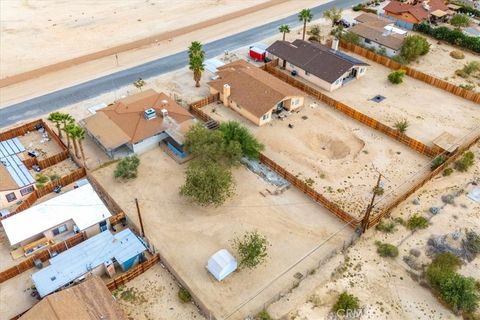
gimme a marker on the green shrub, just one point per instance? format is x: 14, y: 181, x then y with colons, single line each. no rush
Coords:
x: 455, y: 37
x: 414, y: 46
x: 468, y: 9
x: 460, y: 20
x: 417, y: 222
x: 377, y: 190
x: 127, y: 168
x: 396, y: 77
x: 447, y: 171
x: 346, y: 303
x: 184, y: 295
x: 387, y: 227
x: 386, y: 249
x: 41, y: 178
x: 446, y: 261
x: 467, y: 160
x: 472, y: 242
x: 54, y: 177
x: 350, y: 37
x: 402, y: 125
x: 468, y: 87
x: 437, y: 162
x: 252, y: 249
x: 358, y: 7
x: 263, y: 315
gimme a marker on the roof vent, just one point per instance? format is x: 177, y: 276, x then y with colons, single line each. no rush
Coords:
x: 164, y: 113
x: 150, y: 114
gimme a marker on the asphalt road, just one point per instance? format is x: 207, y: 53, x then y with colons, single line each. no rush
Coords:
x: 47, y: 103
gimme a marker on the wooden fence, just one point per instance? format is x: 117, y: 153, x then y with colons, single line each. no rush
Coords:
x: 43, y: 255
x: 133, y: 273
x: 20, y: 131
x: 354, y: 114
x: 111, y: 204
x: 27, y: 202
x: 62, y: 181
x: 416, y: 74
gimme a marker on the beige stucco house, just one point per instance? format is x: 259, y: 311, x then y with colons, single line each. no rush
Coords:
x: 253, y: 92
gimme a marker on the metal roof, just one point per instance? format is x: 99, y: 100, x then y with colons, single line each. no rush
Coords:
x: 86, y: 256
x: 10, y: 147
x: 15, y: 167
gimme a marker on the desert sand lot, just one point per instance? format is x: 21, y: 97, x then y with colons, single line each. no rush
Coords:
x: 153, y: 295
x: 86, y: 26
x: 342, y: 156
x: 440, y: 64
x: 429, y: 111
x: 365, y: 274
x: 186, y: 235
x: 15, y: 295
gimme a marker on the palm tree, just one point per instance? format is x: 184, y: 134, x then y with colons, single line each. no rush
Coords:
x: 67, y: 120
x: 284, y: 28
x: 56, y: 118
x: 333, y: 14
x: 139, y: 83
x: 72, y: 131
x: 196, y: 57
x: 305, y: 16
x: 196, y: 48
x: 80, y: 133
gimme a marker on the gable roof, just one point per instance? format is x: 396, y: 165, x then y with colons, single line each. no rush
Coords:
x: 373, y: 19
x: 89, y: 300
x: 417, y: 9
x: 124, y: 121
x: 379, y: 35
x: 253, y: 88
x: 317, y: 59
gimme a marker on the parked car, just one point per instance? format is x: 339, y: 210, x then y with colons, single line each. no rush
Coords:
x: 344, y: 23
x: 36, y: 168
x: 33, y: 153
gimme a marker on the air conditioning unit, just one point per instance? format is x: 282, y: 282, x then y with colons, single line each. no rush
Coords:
x: 150, y: 114
x: 164, y: 113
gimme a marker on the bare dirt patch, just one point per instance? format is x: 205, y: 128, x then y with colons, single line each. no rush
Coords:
x: 340, y: 155
x: 34, y: 140
x: 186, y: 235
x: 15, y: 295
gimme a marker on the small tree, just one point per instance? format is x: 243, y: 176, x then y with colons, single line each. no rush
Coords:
x: 263, y: 315
x: 305, y: 16
x: 467, y: 160
x: 315, y: 33
x: 460, y: 20
x: 333, y: 14
x: 233, y: 131
x: 417, y: 222
x: 437, y: 162
x: 413, y: 47
x: 402, y: 125
x: 127, y: 168
x: 139, y: 83
x: 57, y: 119
x: 184, y: 295
x: 396, y: 77
x: 386, y: 249
x: 252, y: 249
x: 346, y: 303
x: 208, y: 183
x: 284, y: 29
x: 350, y: 37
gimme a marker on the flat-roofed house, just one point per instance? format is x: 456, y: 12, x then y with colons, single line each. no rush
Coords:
x: 16, y: 181
x: 137, y: 123
x: 327, y: 68
x: 253, y: 92
x: 58, y: 218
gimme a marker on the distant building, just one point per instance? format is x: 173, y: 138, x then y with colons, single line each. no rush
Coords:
x: 58, y: 218
x: 379, y: 33
x: 253, y: 92
x: 97, y: 255
x: 16, y: 180
x: 138, y: 123
x: 327, y: 68
x: 408, y: 13
x: 89, y: 300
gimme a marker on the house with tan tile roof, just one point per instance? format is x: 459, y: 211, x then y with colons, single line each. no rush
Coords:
x: 414, y: 11
x: 253, y: 92
x: 138, y: 123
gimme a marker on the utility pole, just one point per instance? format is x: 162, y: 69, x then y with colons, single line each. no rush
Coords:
x: 140, y: 217
x: 366, y: 218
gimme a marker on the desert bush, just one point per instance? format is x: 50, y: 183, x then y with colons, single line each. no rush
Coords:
x: 387, y: 227
x: 263, y: 315
x: 41, y: 178
x: 358, y: 7
x: 252, y: 248
x: 472, y: 242
x: 386, y: 249
x: 447, y: 171
x: 396, y: 77
x: 127, y: 168
x: 346, y: 303
x: 437, y: 162
x: 417, y: 222
x: 468, y: 87
x: 413, y: 47
x: 467, y: 160
x: 402, y: 125
x: 455, y: 37
x: 457, y: 54
x: 184, y: 295
x: 315, y: 300
x: 350, y: 37
x: 377, y: 190
x: 460, y: 20
x: 233, y: 131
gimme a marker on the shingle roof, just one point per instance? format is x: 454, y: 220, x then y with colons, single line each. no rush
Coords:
x: 379, y: 35
x: 372, y: 19
x: 127, y: 116
x: 252, y: 88
x: 323, y: 62
x: 417, y: 9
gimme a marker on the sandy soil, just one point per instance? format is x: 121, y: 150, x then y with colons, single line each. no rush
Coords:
x: 34, y: 140
x: 186, y: 235
x: 430, y: 111
x: 342, y: 156
x: 15, y: 295
x: 154, y: 297
x: 365, y: 274
x: 440, y: 64
x: 62, y: 25
x: 60, y: 169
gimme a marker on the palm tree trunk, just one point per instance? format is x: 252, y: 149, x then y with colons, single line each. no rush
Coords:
x: 284, y: 36
x: 68, y: 140
x: 75, y: 147
x: 59, y: 130
x: 80, y: 144
x: 304, y: 28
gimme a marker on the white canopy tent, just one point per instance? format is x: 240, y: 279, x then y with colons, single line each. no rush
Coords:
x: 221, y: 264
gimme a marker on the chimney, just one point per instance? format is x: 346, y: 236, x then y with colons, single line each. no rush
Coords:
x: 226, y: 94
x: 335, y: 44
x: 164, y: 113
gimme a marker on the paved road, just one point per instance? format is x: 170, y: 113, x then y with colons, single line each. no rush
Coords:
x: 61, y: 98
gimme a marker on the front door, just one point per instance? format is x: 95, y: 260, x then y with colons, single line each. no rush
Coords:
x: 103, y: 226
x: 354, y: 72
x: 279, y: 107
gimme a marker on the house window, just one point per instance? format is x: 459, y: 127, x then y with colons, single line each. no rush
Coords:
x: 26, y: 190
x: 60, y: 229
x: 307, y: 73
x: 265, y: 116
x: 11, y: 197
x: 368, y: 41
x: 337, y: 82
x: 362, y: 70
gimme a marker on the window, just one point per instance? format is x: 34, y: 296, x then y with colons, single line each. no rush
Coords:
x: 337, y: 82
x: 362, y: 70
x: 26, y: 190
x: 307, y: 73
x: 59, y: 230
x: 265, y: 116
x: 368, y: 41
x: 11, y: 197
